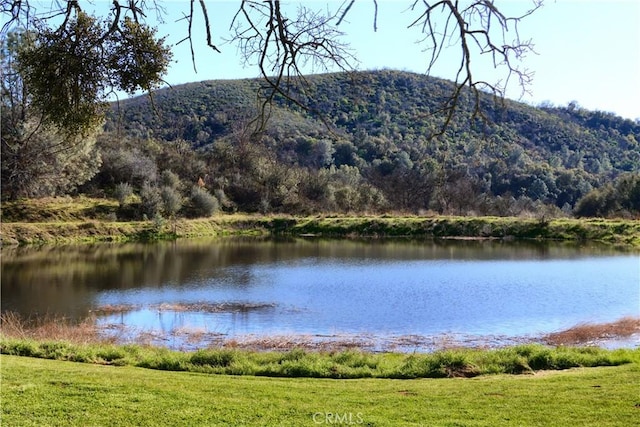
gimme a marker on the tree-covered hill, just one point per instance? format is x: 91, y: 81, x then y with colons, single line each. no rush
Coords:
x: 369, y: 141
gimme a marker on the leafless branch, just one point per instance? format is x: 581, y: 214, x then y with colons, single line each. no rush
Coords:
x: 285, y: 45
x: 345, y: 10
x: 478, y: 28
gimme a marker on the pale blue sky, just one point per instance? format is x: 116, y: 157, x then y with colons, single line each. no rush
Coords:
x: 587, y: 50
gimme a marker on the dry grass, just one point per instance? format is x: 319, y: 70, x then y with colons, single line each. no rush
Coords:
x: 194, y: 336
x: 225, y: 307
x: 52, y: 329
x: 588, y: 333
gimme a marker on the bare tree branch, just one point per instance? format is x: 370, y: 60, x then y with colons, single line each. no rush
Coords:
x: 480, y: 27
x: 283, y: 43
x: 286, y: 43
x: 345, y: 11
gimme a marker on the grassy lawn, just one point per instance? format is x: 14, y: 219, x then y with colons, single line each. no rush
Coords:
x: 38, y: 392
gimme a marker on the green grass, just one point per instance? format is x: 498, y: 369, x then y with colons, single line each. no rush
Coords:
x: 58, y: 209
x: 617, y: 232
x: 38, y: 392
x: 339, y: 365
x: 67, y: 220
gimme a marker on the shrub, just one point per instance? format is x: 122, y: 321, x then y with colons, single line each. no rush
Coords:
x: 122, y: 192
x: 203, y: 204
x: 150, y: 200
x: 171, y: 200
x: 169, y: 179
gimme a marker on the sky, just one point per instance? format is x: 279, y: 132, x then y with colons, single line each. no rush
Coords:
x: 586, y: 51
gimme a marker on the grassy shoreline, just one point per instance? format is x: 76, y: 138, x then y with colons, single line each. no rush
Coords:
x: 83, y: 342
x: 616, y: 232
x: 84, y: 381
x: 142, y: 385
x: 620, y: 232
x: 339, y: 364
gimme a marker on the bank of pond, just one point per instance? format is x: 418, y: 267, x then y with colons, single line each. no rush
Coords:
x: 523, y: 359
x: 624, y: 232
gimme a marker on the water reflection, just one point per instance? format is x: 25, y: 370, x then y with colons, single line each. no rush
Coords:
x: 319, y: 286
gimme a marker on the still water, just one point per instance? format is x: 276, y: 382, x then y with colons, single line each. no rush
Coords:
x: 238, y: 287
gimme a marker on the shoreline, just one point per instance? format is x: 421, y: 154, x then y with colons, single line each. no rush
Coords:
x: 347, y: 362
x: 621, y: 333
x: 193, y: 340
x: 617, y: 232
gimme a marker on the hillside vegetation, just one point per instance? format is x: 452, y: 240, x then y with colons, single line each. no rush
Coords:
x: 368, y: 143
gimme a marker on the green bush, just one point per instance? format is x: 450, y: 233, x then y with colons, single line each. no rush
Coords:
x: 122, y: 192
x: 151, y: 202
x: 171, y: 200
x: 169, y: 179
x: 203, y: 204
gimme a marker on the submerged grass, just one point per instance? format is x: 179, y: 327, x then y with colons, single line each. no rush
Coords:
x: 590, y: 332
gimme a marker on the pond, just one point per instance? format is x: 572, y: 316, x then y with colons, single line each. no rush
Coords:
x: 370, y: 289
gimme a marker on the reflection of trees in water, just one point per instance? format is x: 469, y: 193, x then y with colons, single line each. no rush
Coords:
x: 64, y: 280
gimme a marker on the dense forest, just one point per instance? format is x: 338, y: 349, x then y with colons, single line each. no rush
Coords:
x: 366, y: 142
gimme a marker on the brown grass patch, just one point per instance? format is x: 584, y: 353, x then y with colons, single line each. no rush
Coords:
x: 589, y: 332
x: 50, y: 328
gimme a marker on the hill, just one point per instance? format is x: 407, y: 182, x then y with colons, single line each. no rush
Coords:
x: 367, y: 143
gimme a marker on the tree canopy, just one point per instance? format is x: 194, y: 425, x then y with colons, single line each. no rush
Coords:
x: 41, y: 155
x: 69, y: 71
